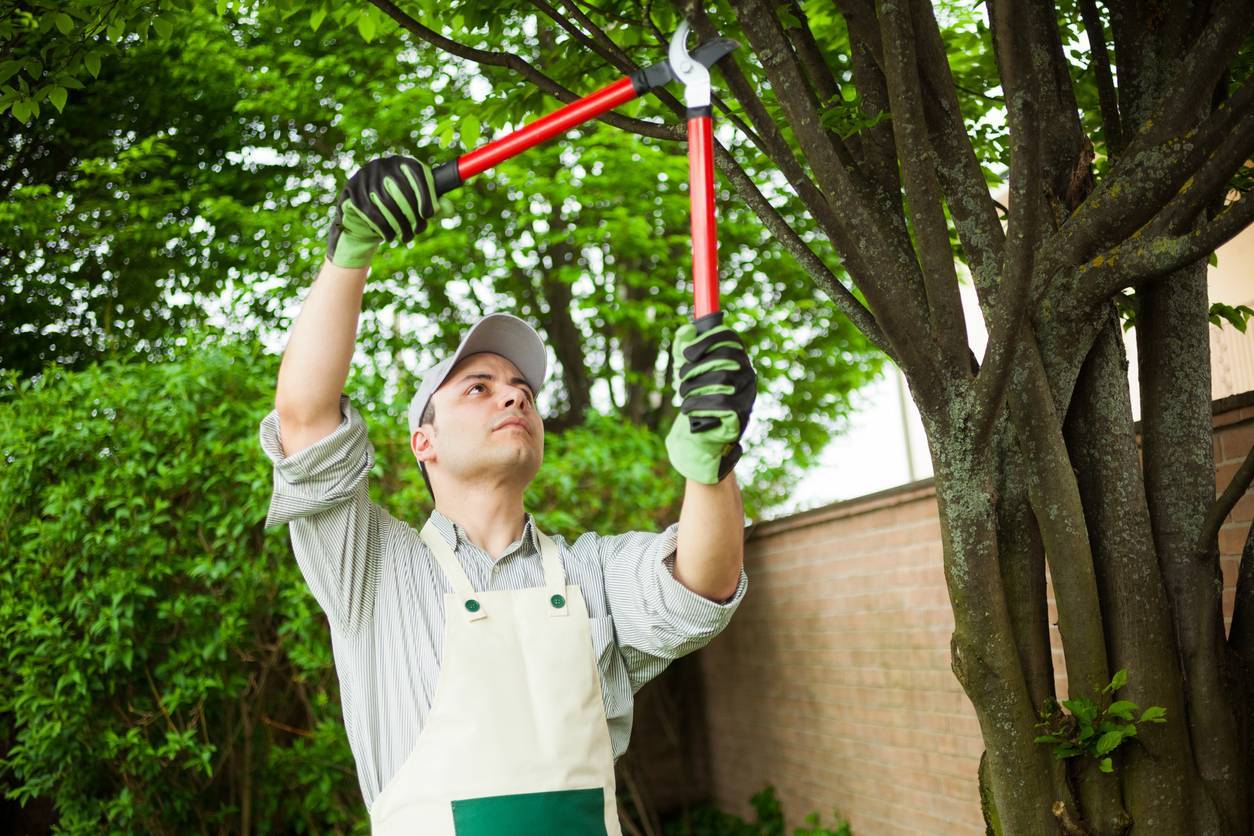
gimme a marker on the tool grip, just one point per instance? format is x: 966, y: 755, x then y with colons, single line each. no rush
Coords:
x: 446, y: 177
x: 701, y: 197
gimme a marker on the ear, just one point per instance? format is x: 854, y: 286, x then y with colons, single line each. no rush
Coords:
x: 421, y: 443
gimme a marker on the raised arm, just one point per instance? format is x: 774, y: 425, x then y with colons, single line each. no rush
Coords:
x: 388, y: 198
x: 317, y: 357
x: 718, y: 386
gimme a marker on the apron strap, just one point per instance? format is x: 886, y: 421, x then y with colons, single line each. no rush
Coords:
x: 471, y: 607
x: 554, y: 575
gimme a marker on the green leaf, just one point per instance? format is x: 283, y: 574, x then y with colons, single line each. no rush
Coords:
x: 366, y: 26
x: 1119, y: 680
x: 163, y: 26
x: 1108, y: 742
x: 1154, y: 714
x: 317, y: 16
x: 1123, y: 709
x: 223, y: 5
x: 8, y: 69
x: 65, y: 23
x: 1106, y: 765
x: 469, y: 131
x: 57, y: 96
x: 22, y: 110
x: 115, y: 31
x: 92, y: 62
x: 1082, y: 708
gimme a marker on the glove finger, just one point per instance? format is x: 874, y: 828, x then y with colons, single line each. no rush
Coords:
x: 427, y: 204
x: 740, y: 400
x: 732, y: 353
x: 707, y: 340
x: 358, y: 192
x: 391, y: 211
x: 722, y: 377
x: 350, y: 216
x: 401, y: 190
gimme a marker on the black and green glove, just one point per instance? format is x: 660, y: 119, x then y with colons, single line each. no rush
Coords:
x: 388, y: 198
x: 717, y: 385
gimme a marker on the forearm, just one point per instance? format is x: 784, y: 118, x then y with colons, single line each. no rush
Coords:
x: 711, y: 545
x: 319, y: 350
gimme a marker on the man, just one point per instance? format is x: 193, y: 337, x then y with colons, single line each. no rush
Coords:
x: 487, y: 670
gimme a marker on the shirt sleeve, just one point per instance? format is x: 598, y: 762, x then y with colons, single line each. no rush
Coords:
x: 656, y: 618
x: 322, y: 493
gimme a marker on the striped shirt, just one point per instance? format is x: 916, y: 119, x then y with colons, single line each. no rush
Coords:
x: 383, y: 594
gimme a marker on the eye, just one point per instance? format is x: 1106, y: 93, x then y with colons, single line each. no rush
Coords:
x: 476, y: 386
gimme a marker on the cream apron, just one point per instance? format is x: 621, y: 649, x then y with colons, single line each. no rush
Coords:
x: 516, y: 742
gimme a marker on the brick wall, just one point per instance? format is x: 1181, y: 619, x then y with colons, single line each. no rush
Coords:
x: 833, y: 681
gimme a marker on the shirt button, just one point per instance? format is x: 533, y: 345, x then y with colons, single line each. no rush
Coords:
x: 557, y: 601
x: 472, y: 605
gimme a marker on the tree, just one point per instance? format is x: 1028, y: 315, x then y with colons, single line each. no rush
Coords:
x: 1114, y: 189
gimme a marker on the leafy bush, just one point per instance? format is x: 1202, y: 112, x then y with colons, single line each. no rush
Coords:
x: 707, y: 820
x: 166, y: 667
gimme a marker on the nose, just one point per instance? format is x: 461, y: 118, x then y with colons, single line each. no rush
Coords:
x: 514, y: 395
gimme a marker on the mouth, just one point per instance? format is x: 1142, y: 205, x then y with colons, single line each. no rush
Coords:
x: 513, y: 422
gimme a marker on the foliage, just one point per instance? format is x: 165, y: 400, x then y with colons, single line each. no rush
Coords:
x: 217, y: 191
x: 708, y: 820
x: 1095, y: 729
x: 161, y: 651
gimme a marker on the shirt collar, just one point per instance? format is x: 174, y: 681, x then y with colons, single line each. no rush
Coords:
x: 455, y: 535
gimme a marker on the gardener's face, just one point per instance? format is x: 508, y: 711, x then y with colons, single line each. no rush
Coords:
x: 486, y: 426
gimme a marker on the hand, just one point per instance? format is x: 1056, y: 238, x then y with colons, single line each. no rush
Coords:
x: 386, y: 199
x: 718, y: 386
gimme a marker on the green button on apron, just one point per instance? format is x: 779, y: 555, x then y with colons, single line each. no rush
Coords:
x: 568, y: 812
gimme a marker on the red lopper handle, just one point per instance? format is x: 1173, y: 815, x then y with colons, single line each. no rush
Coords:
x: 704, y: 234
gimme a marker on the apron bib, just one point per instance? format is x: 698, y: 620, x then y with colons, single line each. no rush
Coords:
x: 516, y: 742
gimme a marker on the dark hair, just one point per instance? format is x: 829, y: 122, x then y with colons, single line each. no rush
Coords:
x: 428, y: 414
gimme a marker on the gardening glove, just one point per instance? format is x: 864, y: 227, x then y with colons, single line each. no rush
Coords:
x: 388, y: 198
x: 717, y: 385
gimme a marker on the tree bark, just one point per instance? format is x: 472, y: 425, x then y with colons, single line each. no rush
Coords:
x: 1156, y: 769
x: 1173, y: 344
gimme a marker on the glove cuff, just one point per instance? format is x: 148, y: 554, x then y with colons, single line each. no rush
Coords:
x: 347, y: 251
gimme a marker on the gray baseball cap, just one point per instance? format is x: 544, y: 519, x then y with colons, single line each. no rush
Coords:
x: 500, y: 333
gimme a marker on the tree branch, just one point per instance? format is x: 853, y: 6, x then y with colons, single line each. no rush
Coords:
x: 1137, y: 187
x: 773, y: 144
x: 1199, y: 68
x: 1015, y: 296
x: 877, y: 249
x: 1107, y: 96
x: 848, y: 304
x: 1241, y: 634
x: 867, y: 57
x: 512, y: 62
x: 1210, y: 182
x: 972, y: 207
x: 811, y: 57
x: 1138, y: 263
x: 1219, y: 511
x: 918, y: 168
